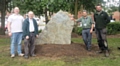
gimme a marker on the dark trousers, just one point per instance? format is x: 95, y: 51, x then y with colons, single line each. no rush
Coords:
x: 29, y: 45
x: 87, y: 36
x: 101, y: 38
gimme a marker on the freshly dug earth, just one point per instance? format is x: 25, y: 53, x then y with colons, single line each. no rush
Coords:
x: 73, y: 50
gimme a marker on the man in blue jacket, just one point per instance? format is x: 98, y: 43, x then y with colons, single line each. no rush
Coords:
x: 30, y: 32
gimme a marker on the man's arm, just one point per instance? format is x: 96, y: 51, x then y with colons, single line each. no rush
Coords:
x: 9, y: 25
x: 78, y: 20
x: 24, y: 27
x: 92, y: 26
x: 36, y: 28
x: 94, y: 17
x: 9, y: 29
x: 107, y: 18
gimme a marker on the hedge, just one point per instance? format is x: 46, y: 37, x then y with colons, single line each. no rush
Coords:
x: 39, y: 31
x: 112, y: 28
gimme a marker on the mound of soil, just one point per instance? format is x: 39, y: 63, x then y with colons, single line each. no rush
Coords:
x: 73, y: 50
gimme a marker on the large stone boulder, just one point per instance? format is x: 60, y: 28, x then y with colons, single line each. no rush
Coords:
x: 58, y: 30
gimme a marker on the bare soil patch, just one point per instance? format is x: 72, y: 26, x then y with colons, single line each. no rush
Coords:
x: 72, y: 50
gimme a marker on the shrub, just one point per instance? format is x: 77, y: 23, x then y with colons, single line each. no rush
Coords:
x: 39, y: 31
x: 113, y: 28
x: 77, y: 30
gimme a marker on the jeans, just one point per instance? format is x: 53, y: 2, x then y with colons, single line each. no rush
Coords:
x: 101, y: 38
x: 87, y: 36
x: 16, y: 40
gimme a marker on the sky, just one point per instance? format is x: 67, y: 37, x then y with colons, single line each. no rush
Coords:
x: 112, y: 2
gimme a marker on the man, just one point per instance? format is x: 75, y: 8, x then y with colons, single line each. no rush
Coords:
x: 15, y: 31
x: 30, y: 32
x: 101, y: 20
x: 87, y: 25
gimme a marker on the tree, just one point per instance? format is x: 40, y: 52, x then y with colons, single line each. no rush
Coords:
x: 3, y: 7
x: 40, y: 6
x: 113, y: 9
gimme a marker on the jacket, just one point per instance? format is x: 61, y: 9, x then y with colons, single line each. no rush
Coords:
x: 25, y: 27
x: 101, y: 20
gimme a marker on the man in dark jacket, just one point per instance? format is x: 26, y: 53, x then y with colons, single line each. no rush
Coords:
x: 101, y: 19
x: 30, y: 32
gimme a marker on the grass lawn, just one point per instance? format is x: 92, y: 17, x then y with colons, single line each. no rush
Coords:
x: 113, y: 60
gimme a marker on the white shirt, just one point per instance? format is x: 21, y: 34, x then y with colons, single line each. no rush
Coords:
x: 31, y: 25
x: 16, y: 21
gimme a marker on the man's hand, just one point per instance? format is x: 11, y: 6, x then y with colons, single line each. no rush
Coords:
x: 27, y: 37
x: 72, y: 18
x: 78, y: 23
x: 37, y: 36
x: 91, y: 30
x: 10, y: 34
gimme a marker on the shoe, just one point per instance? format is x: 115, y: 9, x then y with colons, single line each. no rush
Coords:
x: 33, y: 55
x: 12, y: 56
x: 21, y: 55
x: 106, y: 53
x: 118, y: 48
x: 26, y: 57
x: 88, y: 48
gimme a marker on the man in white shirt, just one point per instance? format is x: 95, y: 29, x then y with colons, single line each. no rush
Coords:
x: 15, y: 31
x: 30, y: 32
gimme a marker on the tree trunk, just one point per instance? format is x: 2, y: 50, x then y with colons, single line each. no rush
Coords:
x: 46, y: 17
x: 3, y: 8
x: 76, y: 8
x: 119, y: 10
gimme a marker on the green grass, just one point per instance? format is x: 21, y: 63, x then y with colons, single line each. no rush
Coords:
x: 4, y: 42
x: 113, y: 60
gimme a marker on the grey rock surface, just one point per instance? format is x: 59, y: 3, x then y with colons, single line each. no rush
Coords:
x: 58, y: 30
